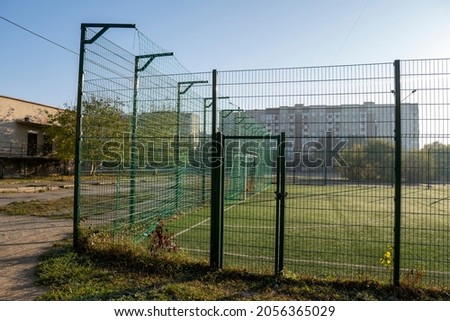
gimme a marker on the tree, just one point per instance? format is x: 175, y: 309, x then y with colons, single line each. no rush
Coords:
x: 102, y: 121
x: 373, y: 161
x: 62, y: 132
x: 418, y: 166
x: 380, y: 157
x: 356, y: 159
x: 440, y: 154
x: 156, y: 132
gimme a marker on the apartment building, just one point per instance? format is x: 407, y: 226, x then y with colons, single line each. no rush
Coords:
x: 355, y: 123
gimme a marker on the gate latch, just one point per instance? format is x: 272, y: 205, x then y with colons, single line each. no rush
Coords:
x: 279, y: 196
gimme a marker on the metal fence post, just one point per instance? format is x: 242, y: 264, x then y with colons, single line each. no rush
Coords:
x: 398, y: 174
x: 77, y: 178
x: 221, y: 139
x: 280, y: 204
x: 216, y: 184
x: 216, y: 202
x: 214, y: 104
x: 134, y: 125
x: 283, y: 198
x: 277, y: 208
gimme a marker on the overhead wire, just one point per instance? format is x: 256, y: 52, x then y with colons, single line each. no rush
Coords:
x: 351, y: 30
x: 39, y: 36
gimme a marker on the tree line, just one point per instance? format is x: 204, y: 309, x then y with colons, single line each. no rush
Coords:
x: 374, y: 161
x: 103, y: 121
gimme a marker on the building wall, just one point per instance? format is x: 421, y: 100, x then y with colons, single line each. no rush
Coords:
x: 18, y: 118
x: 355, y: 122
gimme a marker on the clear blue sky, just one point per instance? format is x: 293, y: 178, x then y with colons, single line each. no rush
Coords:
x: 221, y: 34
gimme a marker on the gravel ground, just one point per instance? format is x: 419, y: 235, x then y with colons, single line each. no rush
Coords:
x: 6, y: 198
x: 22, y: 240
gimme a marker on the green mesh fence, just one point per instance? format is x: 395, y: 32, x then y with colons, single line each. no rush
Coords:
x: 349, y: 212
x: 425, y: 233
x: 145, y: 148
x: 247, y: 161
x: 249, y: 217
x: 144, y: 122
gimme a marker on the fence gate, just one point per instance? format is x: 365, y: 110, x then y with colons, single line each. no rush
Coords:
x: 252, y: 197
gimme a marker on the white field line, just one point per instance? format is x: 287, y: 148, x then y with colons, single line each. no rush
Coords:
x: 206, y: 220
x: 267, y: 258
x: 273, y: 227
x: 312, y: 262
x: 231, y: 226
x: 190, y: 228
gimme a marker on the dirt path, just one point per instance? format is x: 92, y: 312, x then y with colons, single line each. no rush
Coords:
x: 22, y: 240
x: 6, y: 198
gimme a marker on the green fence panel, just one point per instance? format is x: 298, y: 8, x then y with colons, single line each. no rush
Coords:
x: 144, y: 149
x: 144, y: 123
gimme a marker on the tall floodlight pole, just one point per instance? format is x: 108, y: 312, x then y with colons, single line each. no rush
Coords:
x: 182, y: 88
x: 134, y: 118
x: 77, y: 179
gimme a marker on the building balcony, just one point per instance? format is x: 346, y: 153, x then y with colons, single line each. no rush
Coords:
x: 24, y: 150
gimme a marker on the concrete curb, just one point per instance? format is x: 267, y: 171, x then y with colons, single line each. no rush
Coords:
x: 34, y: 189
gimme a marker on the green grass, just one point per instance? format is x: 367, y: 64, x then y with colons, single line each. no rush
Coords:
x: 60, y: 208
x: 339, y: 231
x: 36, y: 179
x: 334, y: 235
x: 335, y: 230
x: 128, y: 272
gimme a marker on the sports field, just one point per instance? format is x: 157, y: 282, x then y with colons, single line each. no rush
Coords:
x: 340, y: 230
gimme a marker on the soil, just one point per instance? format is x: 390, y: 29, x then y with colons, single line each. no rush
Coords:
x: 23, y: 239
